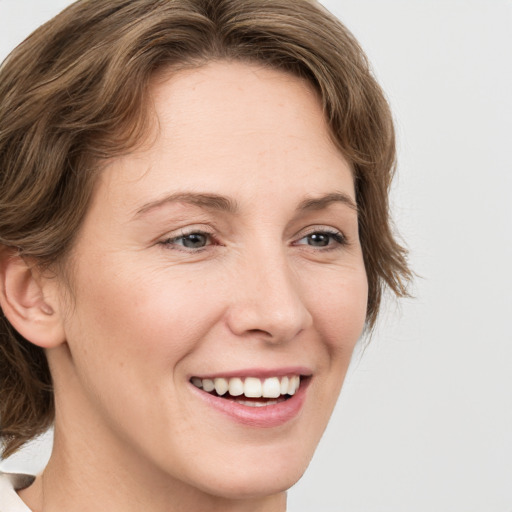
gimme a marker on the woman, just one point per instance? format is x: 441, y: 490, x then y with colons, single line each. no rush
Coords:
x: 195, y: 233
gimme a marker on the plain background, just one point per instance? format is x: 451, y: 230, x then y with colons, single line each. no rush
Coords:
x: 424, y: 422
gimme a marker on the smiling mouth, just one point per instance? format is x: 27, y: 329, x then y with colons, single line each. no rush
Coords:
x: 251, y: 391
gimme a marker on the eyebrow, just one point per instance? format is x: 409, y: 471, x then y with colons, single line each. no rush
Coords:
x: 209, y: 201
x: 318, y: 203
x: 226, y: 204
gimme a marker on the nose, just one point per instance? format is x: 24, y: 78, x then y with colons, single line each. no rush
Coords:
x: 267, y: 301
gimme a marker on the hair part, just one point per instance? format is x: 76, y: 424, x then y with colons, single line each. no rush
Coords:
x: 74, y: 94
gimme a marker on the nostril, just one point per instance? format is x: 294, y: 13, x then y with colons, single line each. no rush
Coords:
x: 260, y: 332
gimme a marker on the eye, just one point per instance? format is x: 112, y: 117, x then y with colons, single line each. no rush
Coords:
x: 192, y: 240
x: 323, y: 239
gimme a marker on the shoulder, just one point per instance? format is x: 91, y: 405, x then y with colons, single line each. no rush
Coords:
x: 9, y: 484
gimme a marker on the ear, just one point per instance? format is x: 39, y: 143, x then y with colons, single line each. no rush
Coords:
x: 29, y: 301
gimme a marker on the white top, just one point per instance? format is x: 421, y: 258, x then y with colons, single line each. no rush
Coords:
x: 9, y: 484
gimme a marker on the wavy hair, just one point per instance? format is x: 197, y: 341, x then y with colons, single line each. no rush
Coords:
x: 74, y: 92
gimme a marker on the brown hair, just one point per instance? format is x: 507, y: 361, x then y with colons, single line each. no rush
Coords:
x: 73, y: 94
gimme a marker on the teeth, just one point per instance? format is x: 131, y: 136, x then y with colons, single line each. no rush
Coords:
x: 236, y: 387
x: 208, y: 385
x: 251, y: 387
x: 198, y: 383
x: 284, y: 385
x: 271, y: 388
x: 221, y: 386
x: 260, y: 404
x: 293, y: 385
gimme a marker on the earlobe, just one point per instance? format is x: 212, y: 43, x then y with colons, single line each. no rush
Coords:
x: 27, y: 302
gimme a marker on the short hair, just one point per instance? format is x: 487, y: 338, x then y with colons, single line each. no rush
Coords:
x: 74, y: 93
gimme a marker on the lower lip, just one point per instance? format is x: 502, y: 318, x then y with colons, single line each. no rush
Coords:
x: 267, y: 416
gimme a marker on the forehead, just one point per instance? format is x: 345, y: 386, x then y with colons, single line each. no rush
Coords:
x: 245, y: 88
x: 229, y: 127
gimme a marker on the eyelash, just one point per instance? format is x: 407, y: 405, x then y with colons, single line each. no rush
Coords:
x: 334, y: 235
x: 172, y: 242
x: 338, y: 237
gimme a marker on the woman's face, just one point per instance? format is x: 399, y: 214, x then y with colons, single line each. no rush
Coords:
x: 225, y: 249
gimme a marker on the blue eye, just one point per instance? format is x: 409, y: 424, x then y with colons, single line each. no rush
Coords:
x: 195, y: 240
x: 322, y: 239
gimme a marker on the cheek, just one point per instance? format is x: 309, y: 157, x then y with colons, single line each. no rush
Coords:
x: 339, y: 308
x: 340, y: 314
x: 128, y: 334
x: 147, y: 317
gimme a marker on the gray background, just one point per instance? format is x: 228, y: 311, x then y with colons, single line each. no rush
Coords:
x: 424, y: 422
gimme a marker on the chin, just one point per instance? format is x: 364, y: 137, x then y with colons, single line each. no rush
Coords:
x: 268, y: 472
x: 262, y: 482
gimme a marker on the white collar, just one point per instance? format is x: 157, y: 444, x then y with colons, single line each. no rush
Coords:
x: 9, y: 484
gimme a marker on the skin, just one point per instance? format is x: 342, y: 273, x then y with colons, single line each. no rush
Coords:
x: 147, y: 312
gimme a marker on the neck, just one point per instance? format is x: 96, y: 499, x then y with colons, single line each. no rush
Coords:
x: 88, y: 483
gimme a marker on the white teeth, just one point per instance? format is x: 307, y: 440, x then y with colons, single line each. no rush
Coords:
x: 251, y: 387
x: 284, y: 385
x: 258, y: 404
x: 271, y: 388
x: 252, y: 404
x: 221, y: 386
x: 236, y: 387
x: 208, y: 385
x: 293, y: 385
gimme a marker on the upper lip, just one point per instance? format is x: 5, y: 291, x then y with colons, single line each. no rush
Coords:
x: 257, y: 372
